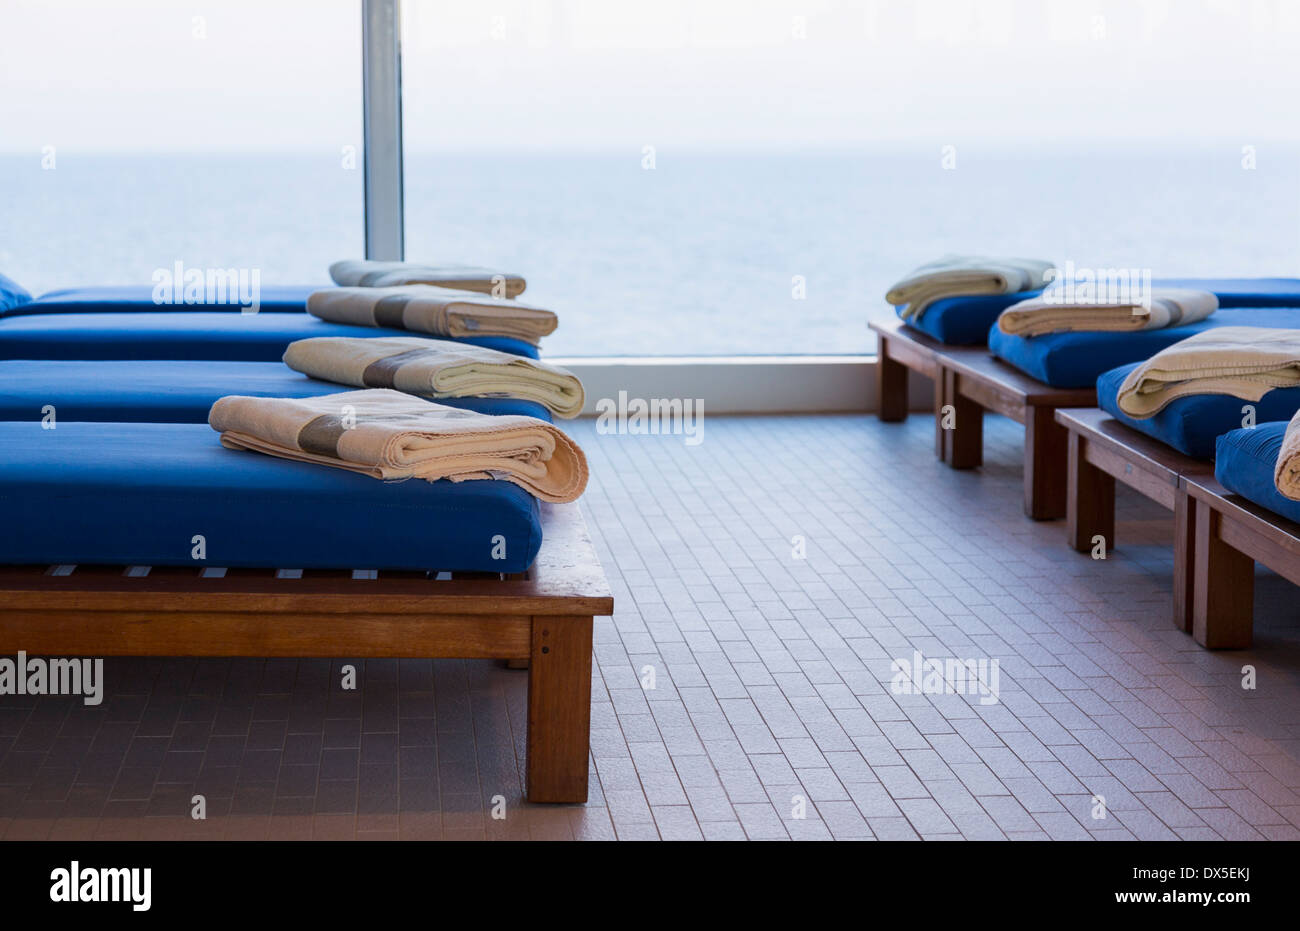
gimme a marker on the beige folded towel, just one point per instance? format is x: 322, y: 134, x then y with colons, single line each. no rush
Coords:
x: 1168, y: 307
x: 1242, y: 361
x: 367, y: 274
x: 426, y: 309
x: 391, y: 435
x: 437, y: 368
x: 957, y: 275
x: 1286, y: 474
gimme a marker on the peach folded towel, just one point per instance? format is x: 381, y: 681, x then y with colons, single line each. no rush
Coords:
x: 391, y: 435
x: 958, y: 275
x: 364, y: 273
x: 437, y: 368
x: 1242, y: 361
x: 1286, y: 475
x: 427, y: 309
x: 1167, y: 307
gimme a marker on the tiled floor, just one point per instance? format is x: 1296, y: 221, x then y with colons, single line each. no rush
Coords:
x: 771, y: 713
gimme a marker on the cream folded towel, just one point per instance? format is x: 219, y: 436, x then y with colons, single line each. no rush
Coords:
x: 367, y: 274
x: 426, y: 309
x: 1242, y: 361
x: 957, y: 275
x: 1286, y: 474
x: 1168, y: 307
x: 436, y: 368
x: 391, y: 435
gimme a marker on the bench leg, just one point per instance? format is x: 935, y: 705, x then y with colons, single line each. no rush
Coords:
x: 1046, y: 454
x: 559, y: 709
x: 891, y: 386
x: 1090, y: 499
x: 962, y: 442
x: 1184, y: 559
x: 1224, y: 587
x: 941, y: 382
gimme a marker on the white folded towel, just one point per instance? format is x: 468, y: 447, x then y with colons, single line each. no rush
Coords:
x: 958, y: 275
x: 1286, y: 473
x: 365, y: 273
x: 391, y: 436
x: 436, y: 368
x: 1166, y: 307
x: 1241, y: 361
x: 426, y: 309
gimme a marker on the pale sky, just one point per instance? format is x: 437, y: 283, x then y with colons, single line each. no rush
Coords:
x: 260, y: 75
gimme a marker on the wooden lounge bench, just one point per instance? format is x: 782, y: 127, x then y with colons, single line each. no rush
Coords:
x: 901, y: 349
x: 543, y: 616
x: 1231, y: 535
x: 968, y: 382
x: 1102, y: 450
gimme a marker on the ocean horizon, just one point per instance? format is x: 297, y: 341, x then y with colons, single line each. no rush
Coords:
x: 701, y: 254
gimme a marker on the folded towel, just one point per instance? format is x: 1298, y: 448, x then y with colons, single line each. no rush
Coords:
x: 391, y: 435
x: 437, y: 368
x: 1286, y: 475
x: 367, y: 274
x: 426, y: 309
x: 1242, y: 361
x: 957, y: 275
x: 1167, y: 307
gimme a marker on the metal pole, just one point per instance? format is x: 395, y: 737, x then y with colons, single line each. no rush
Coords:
x: 381, y: 78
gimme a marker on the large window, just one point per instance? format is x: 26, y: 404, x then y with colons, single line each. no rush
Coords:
x: 139, y: 134
x: 805, y: 154
x: 678, y: 177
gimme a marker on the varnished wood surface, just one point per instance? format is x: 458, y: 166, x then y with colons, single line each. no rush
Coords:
x: 566, y: 578
x: 559, y: 709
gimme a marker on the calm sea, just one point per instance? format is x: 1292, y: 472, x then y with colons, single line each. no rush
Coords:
x: 704, y: 254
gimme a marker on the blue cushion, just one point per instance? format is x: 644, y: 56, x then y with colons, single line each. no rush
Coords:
x: 126, y: 298
x: 183, y: 334
x: 137, y: 494
x: 12, y: 295
x: 1244, y: 463
x: 1192, y: 425
x: 1242, y: 292
x: 1076, y: 360
x: 160, y: 391
x: 965, y: 321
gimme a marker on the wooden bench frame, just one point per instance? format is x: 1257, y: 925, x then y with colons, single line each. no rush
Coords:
x: 543, y: 616
x: 1102, y: 451
x: 1231, y: 535
x: 970, y: 381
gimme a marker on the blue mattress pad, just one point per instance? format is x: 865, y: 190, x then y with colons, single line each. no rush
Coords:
x: 184, y: 334
x: 144, y: 298
x: 166, y: 391
x: 1077, y: 360
x: 1244, y: 463
x: 150, y: 494
x: 1191, y: 425
x: 966, y: 321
